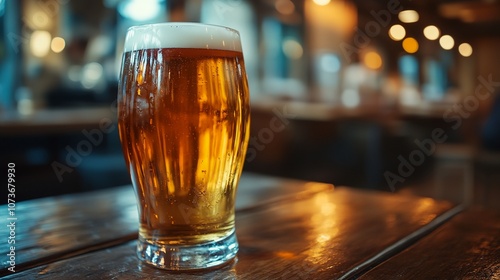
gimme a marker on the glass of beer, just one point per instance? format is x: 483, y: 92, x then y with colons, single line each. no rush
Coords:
x: 183, y: 117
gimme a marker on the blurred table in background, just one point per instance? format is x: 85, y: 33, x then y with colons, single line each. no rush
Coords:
x: 346, y: 145
x: 328, y: 111
x: 307, y: 140
x: 287, y: 229
x: 63, y: 120
x: 83, y: 141
x: 55, y: 121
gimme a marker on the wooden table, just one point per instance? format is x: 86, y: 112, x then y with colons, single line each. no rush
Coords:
x: 287, y: 229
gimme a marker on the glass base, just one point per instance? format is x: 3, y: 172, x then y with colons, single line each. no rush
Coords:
x: 188, y: 257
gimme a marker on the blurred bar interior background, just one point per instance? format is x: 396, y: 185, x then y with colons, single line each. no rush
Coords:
x: 388, y: 95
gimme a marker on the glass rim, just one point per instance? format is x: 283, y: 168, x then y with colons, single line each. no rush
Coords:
x: 182, y: 35
x: 181, y: 24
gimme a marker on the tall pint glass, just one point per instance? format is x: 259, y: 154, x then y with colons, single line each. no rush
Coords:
x: 183, y: 115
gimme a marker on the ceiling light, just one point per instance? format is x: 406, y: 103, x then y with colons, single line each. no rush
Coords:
x: 431, y: 32
x: 397, y: 32
x: 408, y: 16
x: 465, y: 49
x: 446, y: 42
x: 321, y: 2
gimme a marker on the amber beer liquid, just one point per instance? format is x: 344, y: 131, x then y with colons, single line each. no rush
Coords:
x: 184, y: 126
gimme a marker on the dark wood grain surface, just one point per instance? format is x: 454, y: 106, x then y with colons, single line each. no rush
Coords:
x: 320, y: 234
x: 58, y: 227
x: 467, y: 247
x: 53, y: 227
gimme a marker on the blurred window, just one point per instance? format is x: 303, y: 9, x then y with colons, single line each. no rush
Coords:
x: 408, y: 68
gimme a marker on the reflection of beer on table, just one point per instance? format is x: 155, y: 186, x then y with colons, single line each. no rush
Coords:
x: 184, y: 139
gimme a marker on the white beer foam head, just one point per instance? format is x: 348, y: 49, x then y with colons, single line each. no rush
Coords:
x: 182, y: 35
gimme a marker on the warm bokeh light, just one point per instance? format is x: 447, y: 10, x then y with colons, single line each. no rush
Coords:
x: 446, y: 42
x: 40, y: 43
x: 321, y: 2
x: 397, y: 32
x: 285, y: 7
x: 465, y: 49
x: 431, y: 32
x: 57, y: 44
x: 321, y: 24
x: 410, y: 45
x: 372, y: 60
x: 285, y: 254
x: 408, y: 16
x: 292, y: 49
